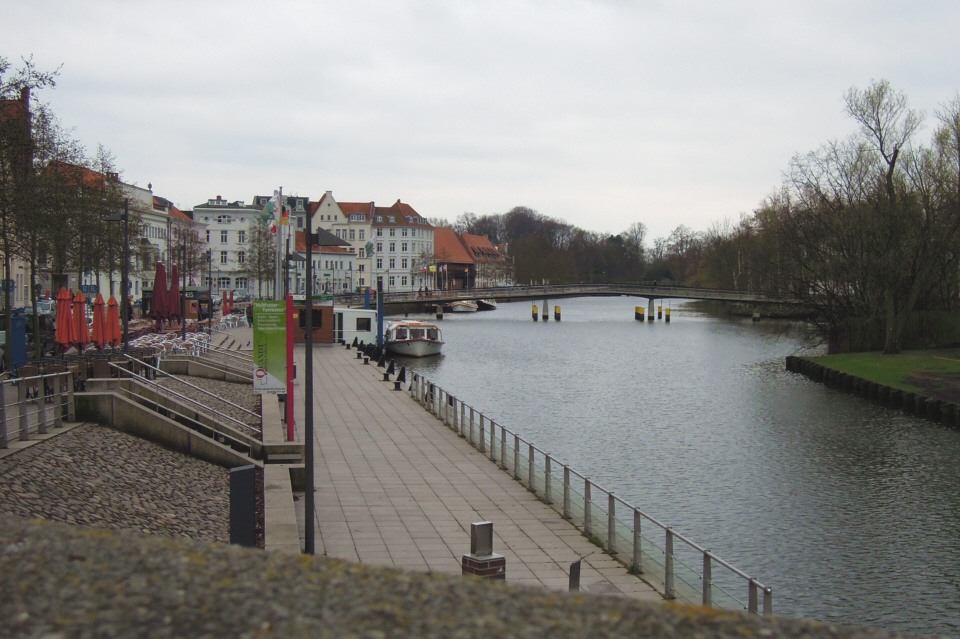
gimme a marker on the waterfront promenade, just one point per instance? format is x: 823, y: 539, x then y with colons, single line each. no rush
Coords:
x: 396, y: 487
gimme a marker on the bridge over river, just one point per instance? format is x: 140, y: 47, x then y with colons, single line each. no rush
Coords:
x: 413, y: 300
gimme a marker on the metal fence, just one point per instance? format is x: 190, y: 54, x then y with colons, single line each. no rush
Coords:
x: 32, y: 405
x: 678, y: 567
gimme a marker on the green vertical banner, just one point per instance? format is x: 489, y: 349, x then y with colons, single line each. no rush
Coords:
x: 270, y: 346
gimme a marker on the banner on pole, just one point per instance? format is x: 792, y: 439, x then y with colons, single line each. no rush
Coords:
x: 269, y: 346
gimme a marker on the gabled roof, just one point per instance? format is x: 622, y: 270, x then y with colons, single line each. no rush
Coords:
x: 300, y: 244
x: 402, y: 214
x: 480, y: 248
x: 448, y: 249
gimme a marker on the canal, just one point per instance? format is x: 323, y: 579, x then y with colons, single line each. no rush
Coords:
x: 849, y: 511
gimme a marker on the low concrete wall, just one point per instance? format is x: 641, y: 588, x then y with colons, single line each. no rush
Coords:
x: 196, y: 367
x: 151, y: 398
x: 124, y: 415
x: 279, y: 512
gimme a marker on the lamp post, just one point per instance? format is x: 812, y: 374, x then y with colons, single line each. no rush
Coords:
x: 183, y: 289
x: 210, y: 291
x: 124, y: 284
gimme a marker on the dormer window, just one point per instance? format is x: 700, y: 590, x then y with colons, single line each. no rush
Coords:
x: 391, y: 219
x: 379, y: 218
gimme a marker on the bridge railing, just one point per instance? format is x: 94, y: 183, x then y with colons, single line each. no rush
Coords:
x: 678, y: 567
x: 640, y: 289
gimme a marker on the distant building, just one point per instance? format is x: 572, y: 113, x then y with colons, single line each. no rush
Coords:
x: 467, y: 261
x: 226, y: 227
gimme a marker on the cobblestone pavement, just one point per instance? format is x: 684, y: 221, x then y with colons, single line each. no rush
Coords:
x: 239, y: 394
x: 97, y: 476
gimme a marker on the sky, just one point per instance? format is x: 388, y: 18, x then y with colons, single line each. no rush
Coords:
x: 600, y: 113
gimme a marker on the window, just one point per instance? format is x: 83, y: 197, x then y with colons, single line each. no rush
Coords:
x: 379, y: 247
x: 223, y: 282
x: 403, y: 232
x: 223, y: 237
x: 403, y: 247
x: 208, y: 237
x: 391, y: 219
x: 379, y: 232
x: 353, y: 234
x: 356, y: 217
x: 299, y: 222
x: 403, y: 281
x: 363, y: 282
x: 242, y: 283
x: 362, y: 234
x: 403, y: 263
x: 241, y: 257
x: 393, y: 262
x: 393, y: 247
x: 223, y: 219
x: 360, y: 252
x: 360, y: 268
x: 338, y: 234
x: 223, y: 257
x: 241, y: 237
x: 393, y: 232
x: 363, y: 324
x: 379, y: 218
x: 393, y: 280
x: 379, y: 263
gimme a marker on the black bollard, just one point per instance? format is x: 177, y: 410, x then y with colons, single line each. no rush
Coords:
x: 366, y: 360
x: 359, y: 354
x: 402, y: 377
x: 391, y: 368
x: 382, y: 362
x: 386, y: 376
x: 355, y: 342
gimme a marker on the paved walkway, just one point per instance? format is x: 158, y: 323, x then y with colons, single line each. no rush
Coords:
x: 396, y: 487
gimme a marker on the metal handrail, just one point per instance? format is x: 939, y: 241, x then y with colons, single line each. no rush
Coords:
x: 197, y: 388
x: 453, y: 412
x: 23, y: 417
x: 219, y: 350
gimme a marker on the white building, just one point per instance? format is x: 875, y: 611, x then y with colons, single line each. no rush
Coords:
x: 226, y: 227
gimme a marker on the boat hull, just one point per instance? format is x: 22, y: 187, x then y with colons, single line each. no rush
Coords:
x: 463, y: 307
x: 414, y: 348
x: 486, y: 305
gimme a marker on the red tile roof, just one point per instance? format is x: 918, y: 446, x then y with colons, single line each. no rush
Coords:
x: 88, y: 177
x: 448, y: 249
x: 403, y: 215
x: 480, y: 248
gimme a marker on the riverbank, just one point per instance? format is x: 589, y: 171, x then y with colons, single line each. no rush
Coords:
x: 923, y: 383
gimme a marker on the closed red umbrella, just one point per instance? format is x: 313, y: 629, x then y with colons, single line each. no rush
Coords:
x: 111, y: 333
x: 231, y: 300
x: 98, y: 332
x: 224, y: 309
x: 158, y: 303
x: 82, y: 336
x: 174, y: 304
x: 65, y: 328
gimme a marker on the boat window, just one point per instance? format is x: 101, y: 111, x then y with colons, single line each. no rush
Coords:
x: 416, y: 333
x: 401, y: 333
x: 433, y: 334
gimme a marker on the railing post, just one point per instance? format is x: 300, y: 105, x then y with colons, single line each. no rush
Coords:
x: 752, y: 599
x: 547, y: 480
x: 57, y: 401
x: 463, y: 417
x: 3, y: 415
x: 471, y: 427
x: 493, y: 441
x: 42, y: 407
x: 503, y: 448
x: 516, y: 456
x: 611, y: 524
x: 586, y: 505
x: 482, y: 444
x: 531, y: 470
x: 767, y: 602
x: 668, y: 566
x: 413, y: 383
x: 22, y: 402
x: 637, y: 550
x: 707, y: 580
x: 566, y: 491
x: 71, y: 405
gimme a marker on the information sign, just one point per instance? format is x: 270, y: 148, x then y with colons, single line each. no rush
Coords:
x: 270, y: 346
x: 88, y: 289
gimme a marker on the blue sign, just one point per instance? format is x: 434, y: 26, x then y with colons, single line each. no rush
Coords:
x: 8, y: 285
x: 88, y: 289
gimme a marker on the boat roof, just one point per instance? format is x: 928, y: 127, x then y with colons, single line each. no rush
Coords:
x: 411, y: 322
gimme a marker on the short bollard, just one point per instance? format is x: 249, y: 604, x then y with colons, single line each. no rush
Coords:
x: 243, y: 506
x: 359, y: 355
x: 366, y: 360
x: 482, y: 561
x: 575, y: 576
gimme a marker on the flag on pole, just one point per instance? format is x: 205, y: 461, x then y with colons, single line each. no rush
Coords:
x: 285, y: 216
x: 271, y: 210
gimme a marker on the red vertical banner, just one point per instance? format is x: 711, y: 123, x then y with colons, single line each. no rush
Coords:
x: 290, y: 326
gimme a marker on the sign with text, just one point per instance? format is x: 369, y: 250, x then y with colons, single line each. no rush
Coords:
x: 270, y: 346
x: 88, y: 289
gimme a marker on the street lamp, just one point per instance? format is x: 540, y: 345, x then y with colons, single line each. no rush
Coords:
x: 210, y: 291
x: 124, y: 285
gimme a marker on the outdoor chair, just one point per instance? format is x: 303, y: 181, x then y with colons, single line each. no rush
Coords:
x: 31, y: 386
x: 53, y: 369
x: 101, y: 368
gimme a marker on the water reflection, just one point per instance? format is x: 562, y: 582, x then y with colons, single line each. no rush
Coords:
x: 849, y: 511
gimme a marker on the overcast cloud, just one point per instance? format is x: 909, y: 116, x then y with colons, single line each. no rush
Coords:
x: 599, y: 113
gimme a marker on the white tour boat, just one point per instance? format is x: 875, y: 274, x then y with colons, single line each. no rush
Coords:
x: 413, y: 338
x: 463, y: 306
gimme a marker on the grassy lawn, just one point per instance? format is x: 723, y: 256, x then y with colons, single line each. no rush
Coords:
x: 913, y: 371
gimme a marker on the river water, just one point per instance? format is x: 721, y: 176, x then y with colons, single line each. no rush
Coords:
x: 849, y: 511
